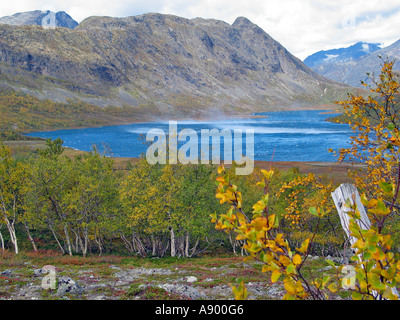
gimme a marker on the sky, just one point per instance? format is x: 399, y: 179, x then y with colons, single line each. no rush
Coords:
x: 301, y: 26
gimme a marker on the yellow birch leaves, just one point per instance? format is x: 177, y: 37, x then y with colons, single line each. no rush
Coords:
x: 263, y: 241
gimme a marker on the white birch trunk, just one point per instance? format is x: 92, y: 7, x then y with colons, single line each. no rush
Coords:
x: 348, y: 192
x: 13, y: 235
x: 2, y: 241
x: 173, y: 251
x: 341, y: 195
x: 30, y: 237
x: 187, y: 244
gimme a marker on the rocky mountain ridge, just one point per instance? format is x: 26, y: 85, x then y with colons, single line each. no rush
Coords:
x: 165, y: 63
x: 351, y: 65
x: 45, y: 18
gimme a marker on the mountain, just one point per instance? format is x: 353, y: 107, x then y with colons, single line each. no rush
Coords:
x: 372, y: 63
x: 351, y: 65
x: 335, y: 63
x: 40, y: 18
x: 163, y: 64
x: 341, y: 55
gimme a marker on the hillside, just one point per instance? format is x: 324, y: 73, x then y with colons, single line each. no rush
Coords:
x: 161, y: 63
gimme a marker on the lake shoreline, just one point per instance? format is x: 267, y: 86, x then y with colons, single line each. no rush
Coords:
x: 289, y: 135
x: 328, y: 108
x: 334, y: 170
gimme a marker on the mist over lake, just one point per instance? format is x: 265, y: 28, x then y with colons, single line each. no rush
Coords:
x: 279, y: 136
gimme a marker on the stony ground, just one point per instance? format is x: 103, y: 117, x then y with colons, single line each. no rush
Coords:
x: 130, y: 279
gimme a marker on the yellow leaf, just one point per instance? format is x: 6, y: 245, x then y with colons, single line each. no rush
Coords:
x: 394, y: 140
x: 267, y: 174
x: 333, y: 287
x: 378, y: 254
x: 259, y: 206
x: 259, y: 223
x: 240, y: 236
x: 304, y: 246
x: 289, y: 286
x: 261, y: 184
x: 356, y: 296
x: 265, y: 268
x: 296, y: 259
x: 240, y: 292
x: 271, y: 221
x: 275, y: 276
x: 284, y: 260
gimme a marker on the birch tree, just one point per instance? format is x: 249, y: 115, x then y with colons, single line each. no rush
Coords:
x: 49, y: 182
x: 13, y: 176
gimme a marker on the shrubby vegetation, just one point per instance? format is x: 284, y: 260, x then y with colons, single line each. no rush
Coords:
x: 20, y: 113
x: 82, y: 205
x: 375, y: 264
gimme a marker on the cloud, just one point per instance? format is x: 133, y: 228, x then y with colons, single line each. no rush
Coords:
x: 303, y: 27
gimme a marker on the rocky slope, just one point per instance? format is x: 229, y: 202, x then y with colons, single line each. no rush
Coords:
x: 40, y: 18
x: 164, y: 63
x: 183, y: 280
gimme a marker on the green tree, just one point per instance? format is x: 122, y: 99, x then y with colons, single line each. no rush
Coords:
x: 92, y: 201
x: 49, y: 183
x: 76, y: 199
x: 13, y: 187
x: 167, y: 206
x: 139, y: 198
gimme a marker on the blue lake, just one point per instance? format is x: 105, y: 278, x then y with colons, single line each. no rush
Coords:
x: 283, y: 136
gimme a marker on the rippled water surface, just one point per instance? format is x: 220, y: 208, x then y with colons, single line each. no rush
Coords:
x: 283, y: 136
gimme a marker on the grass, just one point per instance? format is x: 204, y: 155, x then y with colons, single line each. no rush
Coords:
x: 141, y: 292
x: 212, y: 272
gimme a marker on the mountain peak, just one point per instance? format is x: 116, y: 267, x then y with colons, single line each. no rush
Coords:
x: 42, y: 18
x: 242, y: 22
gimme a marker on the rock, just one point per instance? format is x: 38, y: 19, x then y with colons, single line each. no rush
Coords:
x: 325, y: 268
x: 6, y: 273
x: 256, y: 289
x: 132, y: 274
x: 38, y: 272
x: 67, y: 285
x: 191, y: 279
x: 114, y: 267
x: 183, y: 290
x: 275, y: 291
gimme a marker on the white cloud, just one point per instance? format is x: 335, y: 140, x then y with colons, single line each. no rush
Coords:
x: 303, y: 27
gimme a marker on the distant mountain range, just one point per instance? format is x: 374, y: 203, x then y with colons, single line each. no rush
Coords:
x: 350, y: 65
x: 164, y: 64
x: 41, y: 18
x: 341, y: 55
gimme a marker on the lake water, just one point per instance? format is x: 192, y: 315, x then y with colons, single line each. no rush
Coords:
x: 283, y: 136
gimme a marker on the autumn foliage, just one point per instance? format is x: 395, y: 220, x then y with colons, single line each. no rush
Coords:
x: 82, y: 205
x: 375, y: 267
